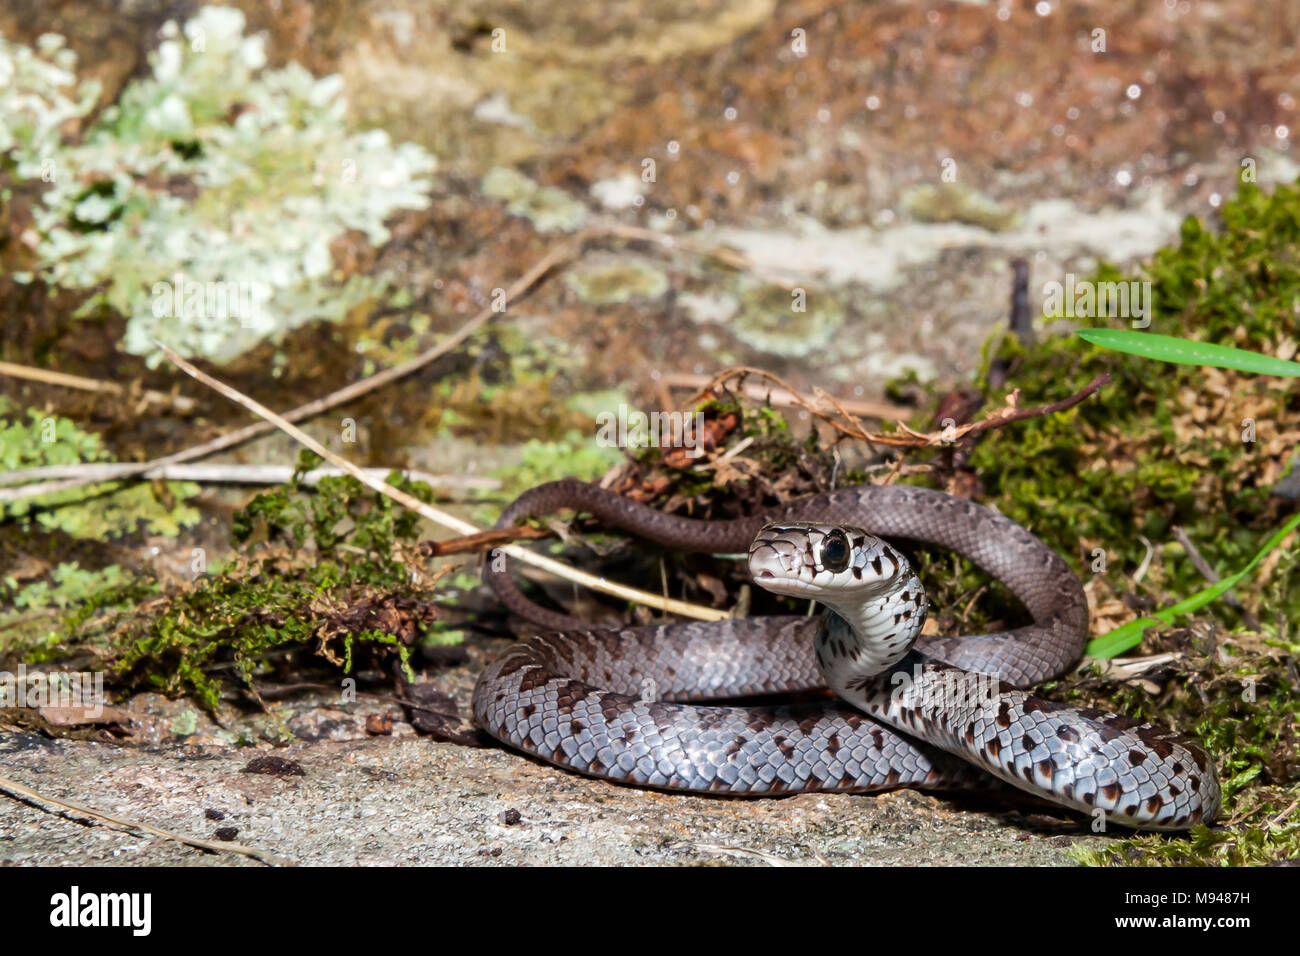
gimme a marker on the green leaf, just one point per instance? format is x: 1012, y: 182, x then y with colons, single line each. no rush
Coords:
x: 1130, y: 635
x: 1168, y: 348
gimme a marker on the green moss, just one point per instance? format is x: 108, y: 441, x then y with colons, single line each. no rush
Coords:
x: 1253, y: 846
x: 31, y: 624
x: 1161, y: 447
x: 108, y: 510
x: 1147, y: 452
x: 329, y: 569
x: 72, y: 585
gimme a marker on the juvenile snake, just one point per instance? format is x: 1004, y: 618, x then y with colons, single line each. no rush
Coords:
x: 937, y: 712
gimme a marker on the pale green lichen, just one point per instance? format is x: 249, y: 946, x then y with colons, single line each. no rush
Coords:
x: 34, y: 105
x: 547, y: 208
x: 73, y: 585
x: 32, y: 614
x: 953, y: 202
x: 769, y: 319
x: 96, y: 512
x: 213, y: 169
x: 610, y: 283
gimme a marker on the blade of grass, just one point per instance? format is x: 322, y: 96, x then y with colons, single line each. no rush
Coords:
x: 1167, y: 348
x: 1130, y: 635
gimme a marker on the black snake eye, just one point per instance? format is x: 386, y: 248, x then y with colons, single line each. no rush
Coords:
x: 835, y: 552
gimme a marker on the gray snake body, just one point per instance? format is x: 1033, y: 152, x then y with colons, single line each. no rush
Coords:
x: 616, y: 703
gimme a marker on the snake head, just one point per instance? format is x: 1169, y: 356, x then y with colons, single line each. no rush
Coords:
x: 825, y: 562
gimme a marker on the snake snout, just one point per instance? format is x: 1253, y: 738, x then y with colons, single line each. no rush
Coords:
x: 771, y: 560
x: 781, y: 559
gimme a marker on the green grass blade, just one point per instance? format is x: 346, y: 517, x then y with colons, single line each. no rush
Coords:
x: 1167, y: 348
x: 1130, y: 635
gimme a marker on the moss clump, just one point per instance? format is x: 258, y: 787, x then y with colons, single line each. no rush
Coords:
x: 333, y: 570
x: 30, y: 628
x: 1197, y: 448
x: 73, y: 585
x: 1163, y: 445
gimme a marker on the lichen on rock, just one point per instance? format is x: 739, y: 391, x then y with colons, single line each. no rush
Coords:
x: 786, y: 322
x: 214, y: 176
x: 98, y: 511
x: 614, y: 281
x: 547, y: 208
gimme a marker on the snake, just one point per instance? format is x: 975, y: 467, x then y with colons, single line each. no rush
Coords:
x: 646, y: 705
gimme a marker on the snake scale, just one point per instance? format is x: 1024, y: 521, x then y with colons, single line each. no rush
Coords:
x: 926, y: 711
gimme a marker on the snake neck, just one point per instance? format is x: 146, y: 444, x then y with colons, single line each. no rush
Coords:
x: 856, y: 642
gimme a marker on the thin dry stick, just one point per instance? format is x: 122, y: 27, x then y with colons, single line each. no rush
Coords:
x: 180, y: 402
x: 16, y: 789
x: 346, y: 394
x: 786, y: 390
x: 785, y: 397
x: 233, y: 474
x: 907, y: 437
x: 482, y: 541
x: 441, y: 517
x: 1277, y: 820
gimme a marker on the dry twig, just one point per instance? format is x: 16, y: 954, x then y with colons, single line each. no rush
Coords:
x: 521, y: 285
x: 783, y: 396
x: 232, y: 474
x: 846, y: 423
x: 441, y: 517
x: 181, y: 403
x: 16, y: 789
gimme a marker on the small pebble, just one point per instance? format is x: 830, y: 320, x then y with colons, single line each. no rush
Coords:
x: 276, y: 766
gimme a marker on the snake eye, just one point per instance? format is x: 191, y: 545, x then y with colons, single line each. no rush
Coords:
x: 835, y: 552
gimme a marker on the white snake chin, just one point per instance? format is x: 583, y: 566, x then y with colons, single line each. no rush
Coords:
x: 921, y: 711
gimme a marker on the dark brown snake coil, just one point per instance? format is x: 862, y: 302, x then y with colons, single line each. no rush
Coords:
x: 928, y: 711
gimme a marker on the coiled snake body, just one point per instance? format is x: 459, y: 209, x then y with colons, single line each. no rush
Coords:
x: 938, y: 712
